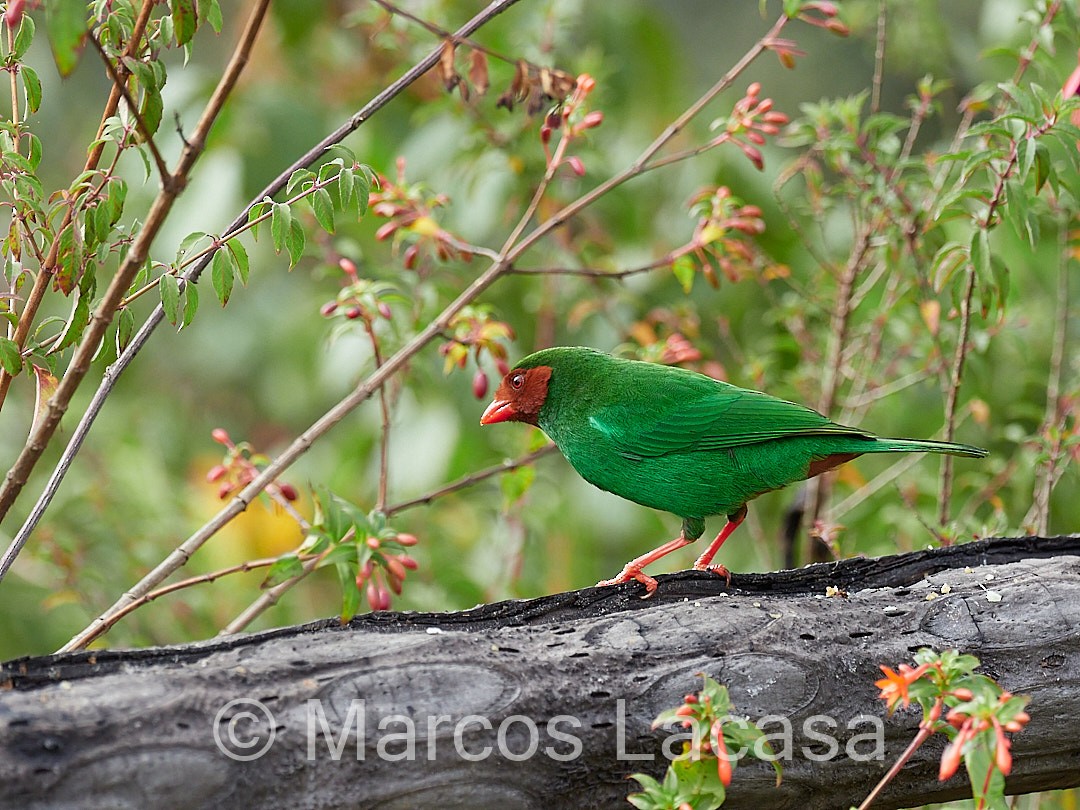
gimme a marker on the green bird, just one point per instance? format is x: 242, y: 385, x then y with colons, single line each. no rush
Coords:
x: 679, y: 441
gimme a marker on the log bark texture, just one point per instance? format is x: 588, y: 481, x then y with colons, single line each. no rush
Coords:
x: 539, y: 703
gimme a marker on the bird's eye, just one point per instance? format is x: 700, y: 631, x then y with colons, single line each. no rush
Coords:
x: 517, y: 380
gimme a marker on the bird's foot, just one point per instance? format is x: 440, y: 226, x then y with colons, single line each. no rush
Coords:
x: 632, y: 573
x: 719, y: 570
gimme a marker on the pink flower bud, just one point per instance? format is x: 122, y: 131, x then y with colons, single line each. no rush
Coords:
x: 14, y: 14
x: 352, y: 313
x: 224, y: 490
x: 408, y: 562
x: 412, y: 253
x: 328, y: 309
x: 347, y: 265
x: 288, y: 492
x: 405, y: 539
x: 480, y: 384
x: 216, y: 473
x: 384, y: 310
x: 592, y: 119
x: 576, y: 165
x: 753, y: 90
x: 502, y: 366
x: 386, y: 230
x: 220, y: 436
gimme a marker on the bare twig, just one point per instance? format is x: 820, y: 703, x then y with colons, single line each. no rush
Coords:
x: 201, y: 579
x: 879, y: 57
x: 120, y: 83
x: 1054, y: 419
x: 471, y: 479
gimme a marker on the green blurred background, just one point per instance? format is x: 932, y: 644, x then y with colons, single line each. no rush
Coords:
x: 265, y: 367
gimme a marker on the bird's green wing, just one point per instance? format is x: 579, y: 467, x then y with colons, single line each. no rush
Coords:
x: 697, y: 413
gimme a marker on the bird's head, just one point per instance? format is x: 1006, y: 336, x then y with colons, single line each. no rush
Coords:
x: 519, y: 397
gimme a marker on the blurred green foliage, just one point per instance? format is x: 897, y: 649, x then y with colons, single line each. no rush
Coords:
x: 270, y: 364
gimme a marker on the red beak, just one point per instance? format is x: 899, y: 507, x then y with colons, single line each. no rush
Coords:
x: 498, y: 411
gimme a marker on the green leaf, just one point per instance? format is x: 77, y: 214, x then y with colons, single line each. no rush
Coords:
x: 76, y: 322
x: 296, y: 242
x: 10, y: 357
x: 1043, y: 167
x: 213, y: 15
x: 350, y: 594
x: 45, y: 387
x: 170, y: 296
x: 684, y: 270
x: 323, y: 207
x: 286, y: 567
x: 516, y: 483
x: 125, y: 325
x: 23, y: 38
x: 185, y: 19
x: 280, y: 223
x: 191, y: 304
x: 363, y: 182
x: 980, y: 253
x: 240, y: 258
x: 66, y: 24
x: 221, y: 275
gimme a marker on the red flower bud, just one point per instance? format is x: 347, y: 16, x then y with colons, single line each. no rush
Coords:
x: 13, y: 15
x: 408, y: 562
x: 576, y: 165
x: 386, y: 230
x: 502, y: 366
x: 480, y: 384
x: 592, y: 119
x: 352, y: 313
x: 224, y: 490
x: 347, y: 265
x: 288, y: 492
x: 328, y: 309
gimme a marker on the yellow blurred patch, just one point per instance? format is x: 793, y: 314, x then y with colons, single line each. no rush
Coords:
x: 849, y: 474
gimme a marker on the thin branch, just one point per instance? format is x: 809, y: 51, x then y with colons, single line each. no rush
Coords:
x: 509, y: 465
x: 879, y: 57
x: 133, y: 107
x: 201, y: 579
x: 268, y: 598
x: 1054, y: 418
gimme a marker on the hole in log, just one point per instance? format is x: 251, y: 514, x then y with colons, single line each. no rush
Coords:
x: 807, y: 636
x: 860, y: 634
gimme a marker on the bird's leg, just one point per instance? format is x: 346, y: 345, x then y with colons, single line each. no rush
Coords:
x: 691, y: 531
x: 703, y: 562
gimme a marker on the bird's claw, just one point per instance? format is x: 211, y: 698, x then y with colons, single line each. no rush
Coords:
x: 719, y: 570
x: 628, y: 574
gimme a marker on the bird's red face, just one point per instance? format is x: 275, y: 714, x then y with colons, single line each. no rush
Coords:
x: 520, y: 396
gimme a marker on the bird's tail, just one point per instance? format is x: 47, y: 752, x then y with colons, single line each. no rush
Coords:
x: 927, y: 446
